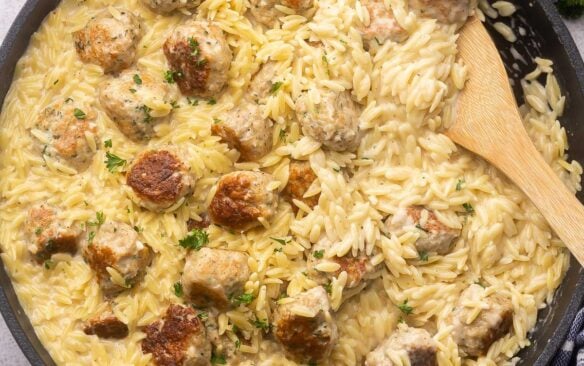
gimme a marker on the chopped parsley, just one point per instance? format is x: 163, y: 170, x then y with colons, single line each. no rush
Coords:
x: 243, y: 299
x: 194, y: 102
x: 49, y: 264
x: 79, y: 114
x: 138, y: 229
x: 318, y: 254
x: 212, y: 101
x: 174, y: 104
x: 312, y: 363
x: 171, y: 76
x: 113, y: 162
x: 237, y: 344
x: 405, y: 308
x: 275, y: 87
x: 195, y: 239
x: 132, y: 90
x: 218, y: 359
x: 423, y: 256
x: 261, y: 324
x: 147, y: 116
x: 459, y: 184
x: 108, y: 143
x: 329, y: 288
x: 178, y: 289
x: 281, y: 241
x: 38, y: 231
x: 196, y: 53
x: 325, y: 60
x: 203, y: 315
x: 276, y: 250
x: 282, y: 135
x: 68, y: 100
x: 137, y: 79
x: 90, y: 237
x: 99, y: 219
x: 468, y: 208
x: 216, y: 120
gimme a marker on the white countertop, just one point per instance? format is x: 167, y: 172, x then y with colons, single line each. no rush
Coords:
x: 10, y: 354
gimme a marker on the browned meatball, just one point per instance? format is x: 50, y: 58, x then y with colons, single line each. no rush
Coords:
x: 179, y: 338
x: 66, y: 131
x: 109, y: 40
x: 202, y: 224
x: 435, y: 237
x: 116, y: 255
x: 245, y: 129
x: 307, y: 337
x: 417, y: 343
x: 167, y: 6
x: 106, y: 325
x: 136, y: 102
x: 213, y: 276
x: 242, y: 198
x: 301, y: 176
x: 262, y: 82
x: 492, y: 323
x: 445, y: 11
x: 49, y: 235
x: 199, y: 56
x: 160, y: 179
x: 382, y: 24
x: 265, y: 12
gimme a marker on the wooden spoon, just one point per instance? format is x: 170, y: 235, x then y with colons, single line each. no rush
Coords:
x: 487, y: 122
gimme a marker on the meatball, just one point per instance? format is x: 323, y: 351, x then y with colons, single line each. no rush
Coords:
x: 135, y: 101
x: 116, y: 255
x: 160, y: 179
x: 445, y: 11
x: 212, y: 277
x: 167, y: 6
x: 382, y: 24
x: 179, y: 338
x: 242, y: 198
x: 435, y: 237
x: 193, y: 224
x: 417, y: 343
x: 246, y: 130
x: 306, y: 337
x: 262, y: 82
x: 109, y: 40
x: 200, y: 57
x: 300, y: 178
x: 265, y: 12
x: 334, y: 122
x: 49, y: 235
x: 68, y: 133
x: 492, y: 323
x: 106, y: 325
x: 358, y: 268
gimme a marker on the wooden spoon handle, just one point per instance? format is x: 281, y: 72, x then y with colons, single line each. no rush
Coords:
x: 525, y: 166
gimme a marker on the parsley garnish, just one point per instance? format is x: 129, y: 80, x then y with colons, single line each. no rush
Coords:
x: 178, y: 289
x: 318, y: 254
x: 237, y: 344
x: 276, y: 250
x: 132, y: 90
x: 112, y: 162
x: 243, y: 299
x: 171, y: 76
x: 261, y: 324
x: 195, y: 239
x: 423, y: 256
x: 328, y: 288
x: 108, y: 143
x: 137, y: 79
x: 79, y: 114
x: 147, y: 117
x: 203, y: 315
x: 282, y: 135
x: 459, y: 184
x: 194, y: 102
x: 49, y: 264
x: 281, y: 241
x: 90, y: 237
x: 174, y: 104
x: 216, y: 120
x: 38, y: 231
x: 405, y: 308
x: 218, y: 359
x: 212, y: 101
x: 138, y: 229
x: 99, y: 219
x: 468, y: 208
x: 275, y: 87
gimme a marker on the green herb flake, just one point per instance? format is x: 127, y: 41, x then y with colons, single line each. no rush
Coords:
x: 261, y: 324
x: 281, y: 241
x: 56, y: 82
x: 218, y: 359
x: 178, y: 289
x: 328, y: 288
x: 194, y: 101
x: 312, y: 363
x: 276, y: 250
x: 107, y: 143
x: 419, y: 227
x: 174, y: 104
x: 318, y: 254
x: 203, y: 315
x: 195, y: 239
x: 459, y: 184
x: 275, y: 87
x: 90, y: 237
x: 49, y: 264
x: 138, y: 229
x: 423, y: 256
x: 337, y: 169
x: 216, y: 120
x: 212, y: 101
x: 405, y: 308
x: 146, y: 110
x: 170, y: 76
x: 132, y: 90
x: 113, y: 162
x: 282, y: 134
x: 468, y: 208
x: 38, y: 231
x: 99, y: 219
x: 243, y: 299
x: 137, y: 79
x: 79, y: 114
x: 237, y: 344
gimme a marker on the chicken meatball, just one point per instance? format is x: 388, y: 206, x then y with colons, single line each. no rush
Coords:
x: 136, y: 102
x: 200, y: 57
x: 266, y: 13
x: 49, y: 235
x: 167, y: 6
x: 300, y: 178
x: 212, y: 277
x: 109, y: 40
x: 116, y: 255
x: 179, y: 338
x: 263, y: 81
x: 160, y: 180
x: 435, y: 237
x: 334, y: 122
x: 242, y: 198
x: 492, y: 323
x: 67, y: 132
x: 306, y: 337
x: 246, y: 130
x: 382, y: 24
x: 420, y: 348
x: 445, y: 11
x: 106, y: 325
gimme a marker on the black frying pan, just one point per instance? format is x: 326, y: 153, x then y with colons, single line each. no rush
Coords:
x: 546, y: 36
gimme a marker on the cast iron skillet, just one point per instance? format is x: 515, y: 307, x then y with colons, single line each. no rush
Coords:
x: 546, y: 36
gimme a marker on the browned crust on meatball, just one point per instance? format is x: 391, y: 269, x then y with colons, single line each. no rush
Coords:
x: 193, y: 224
x: 107, y: 327
x: 230, y: 205
x: 99, y: 258
x: 168, y: 339
x: 303, y: 337
x: 192, y: 73
x: 48, y: 240
x: 300, y: 179
x: 229, y: 137
x: 155, y: 177
x: 423, y: 356
x: 432, y: 223
x: 355, y: 268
